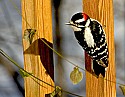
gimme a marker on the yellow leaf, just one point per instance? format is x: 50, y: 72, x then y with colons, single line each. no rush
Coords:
x: 76, y: 76
x: 29, y: 34
x: 123, y: 89
x: 56, y: 93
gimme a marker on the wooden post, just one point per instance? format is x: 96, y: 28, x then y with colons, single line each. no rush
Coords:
x: 38, y: 58
x: 102, y: 10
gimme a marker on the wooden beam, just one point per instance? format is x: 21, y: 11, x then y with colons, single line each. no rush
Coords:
x: 102, y: 10
x: 38, y: 58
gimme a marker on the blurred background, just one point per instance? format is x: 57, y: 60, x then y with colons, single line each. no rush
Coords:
x: 11, y: 83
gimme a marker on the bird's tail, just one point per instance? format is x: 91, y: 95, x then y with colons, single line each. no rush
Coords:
x: 98, y: 69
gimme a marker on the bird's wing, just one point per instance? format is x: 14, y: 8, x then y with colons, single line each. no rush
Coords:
x: 100, y: 50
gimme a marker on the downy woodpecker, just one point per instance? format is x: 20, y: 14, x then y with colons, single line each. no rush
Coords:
x: 91, y: 36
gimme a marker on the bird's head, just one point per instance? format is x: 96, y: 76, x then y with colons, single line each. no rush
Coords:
x: 79, y: 21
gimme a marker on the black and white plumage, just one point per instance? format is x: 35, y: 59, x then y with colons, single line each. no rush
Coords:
x: 91, y: 36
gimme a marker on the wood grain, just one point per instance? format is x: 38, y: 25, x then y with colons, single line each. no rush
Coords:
x: 102, y: 10
x: 36, y: 14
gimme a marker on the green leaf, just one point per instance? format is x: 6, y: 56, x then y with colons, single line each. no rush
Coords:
x: 23, y: 73
x: 57, y: 92
x: 76, y: 76
x: 29, y: 34
x: 123, y: 89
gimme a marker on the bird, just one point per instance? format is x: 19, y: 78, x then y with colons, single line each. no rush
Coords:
x: 91, y: 37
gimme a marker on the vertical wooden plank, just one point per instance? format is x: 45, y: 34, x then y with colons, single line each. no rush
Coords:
x: 102, y: 10
x: 38, y: 58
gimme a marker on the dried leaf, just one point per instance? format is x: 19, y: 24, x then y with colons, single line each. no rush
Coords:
x: 29, y: 34
x: 123, y: 89
x: 57, y: 92
x: 23, y: 73
x: 76, y: 76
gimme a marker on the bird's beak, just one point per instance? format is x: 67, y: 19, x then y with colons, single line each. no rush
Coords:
x: 68, y: 23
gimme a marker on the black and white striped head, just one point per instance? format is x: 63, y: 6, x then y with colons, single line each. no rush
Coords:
x: 79, y: 21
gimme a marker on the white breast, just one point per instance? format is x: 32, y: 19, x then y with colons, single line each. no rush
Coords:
x: 89, y: 37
